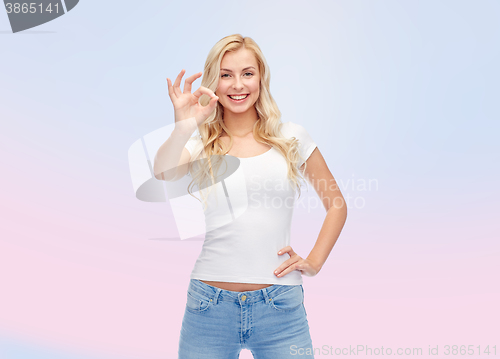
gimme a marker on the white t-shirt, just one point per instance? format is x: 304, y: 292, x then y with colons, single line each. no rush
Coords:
x: 245, y: 249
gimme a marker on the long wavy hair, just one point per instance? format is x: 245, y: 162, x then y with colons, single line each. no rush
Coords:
x: 207, y: 159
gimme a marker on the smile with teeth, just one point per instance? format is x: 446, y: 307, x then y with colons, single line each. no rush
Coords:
x: 241, y: 97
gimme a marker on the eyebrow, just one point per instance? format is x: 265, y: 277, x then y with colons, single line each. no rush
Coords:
x: 246, y: 68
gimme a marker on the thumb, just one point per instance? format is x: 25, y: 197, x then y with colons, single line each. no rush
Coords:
x: 213, y: 101
x: 212, y: 104
x: 207, y: 110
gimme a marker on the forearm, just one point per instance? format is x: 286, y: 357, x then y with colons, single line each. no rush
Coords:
x: 168, y: 155
x: 330, y: 232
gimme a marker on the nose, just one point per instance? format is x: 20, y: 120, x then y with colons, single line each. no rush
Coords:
x: 238, y: 83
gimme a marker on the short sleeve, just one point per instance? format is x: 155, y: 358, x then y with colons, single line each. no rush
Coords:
x: 306, y: 143
x: 193, y: 145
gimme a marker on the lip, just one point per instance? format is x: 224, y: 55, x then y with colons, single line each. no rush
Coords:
x: 238, y: 101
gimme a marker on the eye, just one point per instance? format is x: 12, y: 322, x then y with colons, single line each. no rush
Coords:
x: 224, y: 75
x: 249, y: 73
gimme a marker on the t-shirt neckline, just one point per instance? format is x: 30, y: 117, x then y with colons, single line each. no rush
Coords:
x: 248, y: 158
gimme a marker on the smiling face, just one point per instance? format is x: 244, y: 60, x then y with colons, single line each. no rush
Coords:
x: 239, y: 83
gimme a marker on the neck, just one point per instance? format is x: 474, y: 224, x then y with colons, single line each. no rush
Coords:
x: 241, y: 124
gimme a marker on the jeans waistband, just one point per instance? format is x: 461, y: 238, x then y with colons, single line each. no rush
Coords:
x: 253, y: 296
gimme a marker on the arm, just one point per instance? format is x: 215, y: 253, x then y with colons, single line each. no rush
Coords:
x: 172, y: 159
x: 320, y: 177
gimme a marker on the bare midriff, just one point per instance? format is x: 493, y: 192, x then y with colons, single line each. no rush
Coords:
x: 236, y: 287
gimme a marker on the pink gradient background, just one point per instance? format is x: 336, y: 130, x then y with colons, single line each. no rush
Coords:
x: 81, y: 273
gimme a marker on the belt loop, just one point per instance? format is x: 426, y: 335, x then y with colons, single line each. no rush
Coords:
x: 266, y: 296
x: 216, y: 296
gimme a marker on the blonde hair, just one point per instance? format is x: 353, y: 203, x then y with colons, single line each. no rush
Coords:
x: 266, y: 130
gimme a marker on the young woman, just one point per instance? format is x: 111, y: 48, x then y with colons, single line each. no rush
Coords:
x: 246, y: 287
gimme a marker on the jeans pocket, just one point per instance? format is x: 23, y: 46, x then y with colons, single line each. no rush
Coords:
x: 197, y: 303
x: 288, y: 301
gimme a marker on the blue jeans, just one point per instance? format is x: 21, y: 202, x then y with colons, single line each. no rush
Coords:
x: 270, y: 322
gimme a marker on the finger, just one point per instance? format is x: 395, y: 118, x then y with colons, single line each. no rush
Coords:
x: 287, y: 249
x: 171, y: 92
x: 203, y: 90
x: 211, y: 105
x: 207, y: 110
x: 286, y: 264
x: 177, y: 83
x: 287, y: 270
x: 189, y: 81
